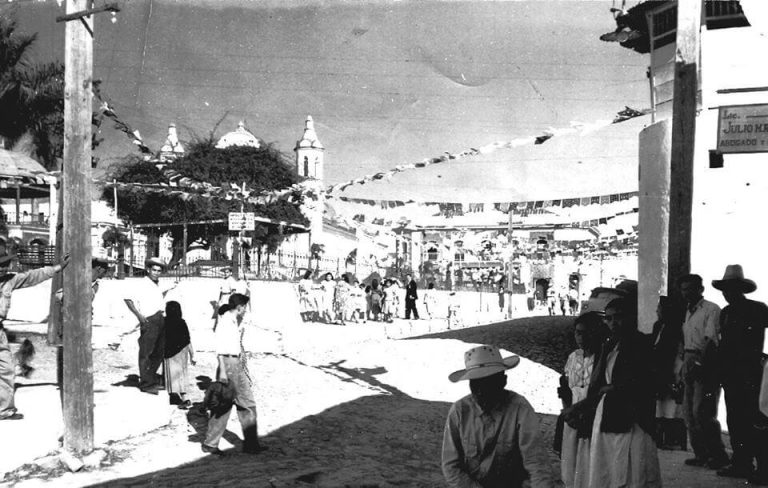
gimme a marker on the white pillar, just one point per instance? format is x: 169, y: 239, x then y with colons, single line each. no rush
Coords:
x: 653, y: 233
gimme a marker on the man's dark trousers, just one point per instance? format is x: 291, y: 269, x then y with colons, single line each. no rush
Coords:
x: 702, y: 394
x: 410, y: 300
x: 151, y: 349
x: 410, y: 305
x: 742, y: 396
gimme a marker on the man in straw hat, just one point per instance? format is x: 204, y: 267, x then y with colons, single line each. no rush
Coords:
x: 492, y: 437
x: 147, y: 303
x: 742, y: 330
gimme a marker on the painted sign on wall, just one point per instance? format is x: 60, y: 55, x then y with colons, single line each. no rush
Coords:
x: 743, y: 129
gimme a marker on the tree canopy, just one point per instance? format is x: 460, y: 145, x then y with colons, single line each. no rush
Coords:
x: 259, y: 168
x: 31, y: 96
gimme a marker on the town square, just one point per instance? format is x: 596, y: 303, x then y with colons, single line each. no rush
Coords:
x: 465, y: 243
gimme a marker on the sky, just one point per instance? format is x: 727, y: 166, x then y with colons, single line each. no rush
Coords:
x: 386, y: 83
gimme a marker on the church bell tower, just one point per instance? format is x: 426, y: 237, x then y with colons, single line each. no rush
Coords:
x: 309, y: 153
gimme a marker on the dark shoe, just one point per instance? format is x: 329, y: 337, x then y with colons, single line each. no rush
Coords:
x: 254, y: 449
x: 717, y: 463
x: 212, y: 450
x: 733, y: 471
x: 185, y: 405
x: 152, y: 390
x: 695, y: 461
x: 13, y: 416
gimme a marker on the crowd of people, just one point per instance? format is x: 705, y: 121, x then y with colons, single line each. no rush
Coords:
x: 620, y: 392
x: 344, y: 300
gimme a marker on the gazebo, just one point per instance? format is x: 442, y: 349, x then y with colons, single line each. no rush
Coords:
x: 24, y: 179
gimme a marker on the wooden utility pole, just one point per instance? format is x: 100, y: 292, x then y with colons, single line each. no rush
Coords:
x: 684, y: 107
x: 78, y: 359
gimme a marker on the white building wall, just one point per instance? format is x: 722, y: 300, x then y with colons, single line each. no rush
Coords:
x: 730, y: 202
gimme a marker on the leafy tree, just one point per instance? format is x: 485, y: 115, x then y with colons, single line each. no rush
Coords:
x: 259, y: 168
x: 31, y: 96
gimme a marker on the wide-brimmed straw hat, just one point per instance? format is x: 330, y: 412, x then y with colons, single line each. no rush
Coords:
x: 483, y: 361
x: 155, y: 262
x: 733, y: 278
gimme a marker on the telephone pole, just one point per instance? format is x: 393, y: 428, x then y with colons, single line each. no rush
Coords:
x: 76, y: 314
x: 684, y: 107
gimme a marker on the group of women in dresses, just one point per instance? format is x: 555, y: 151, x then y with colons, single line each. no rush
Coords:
x: 332, y: 301
x: 608, y: 437
x: 343, y: 300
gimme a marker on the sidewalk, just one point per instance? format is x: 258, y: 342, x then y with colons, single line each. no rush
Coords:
x: 119, y: 412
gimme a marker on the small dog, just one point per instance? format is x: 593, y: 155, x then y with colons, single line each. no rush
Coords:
x: 23, y: 357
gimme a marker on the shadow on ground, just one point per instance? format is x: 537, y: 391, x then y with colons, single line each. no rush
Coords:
x: 545, y: 340
x: 382, y: 440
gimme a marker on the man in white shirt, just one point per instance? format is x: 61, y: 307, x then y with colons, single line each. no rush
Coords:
x: 148, y: 305
x: 492, y: 437
x: 233, y: 370
x: 699, y: 374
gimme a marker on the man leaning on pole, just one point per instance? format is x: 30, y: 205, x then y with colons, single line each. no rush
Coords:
x: 8, y: 283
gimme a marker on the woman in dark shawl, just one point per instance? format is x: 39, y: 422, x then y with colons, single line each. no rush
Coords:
x: 178, y: 348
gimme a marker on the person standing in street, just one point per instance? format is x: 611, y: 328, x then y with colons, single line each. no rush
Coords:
x: 701, y: 332
x: 178, y: 354
x: 430, y: 300
x: 233, y: 371
x: 231, y: 285
x: 491, y: 437
x: 410, y: 298
x: 8, y: 283
x: 742, y: 332
x: 148, y: 305
x: 589, y: 333
x: 622, y: 450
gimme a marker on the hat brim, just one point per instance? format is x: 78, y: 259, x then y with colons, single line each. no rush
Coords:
x: 484, y: 371
x: 742, y: 284
x: 155, y: 262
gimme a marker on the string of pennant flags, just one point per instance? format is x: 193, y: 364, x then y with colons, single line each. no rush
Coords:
x: 505, y: 207
x: 575, y: 128
x: 312, y: 189
x: 106, y: 110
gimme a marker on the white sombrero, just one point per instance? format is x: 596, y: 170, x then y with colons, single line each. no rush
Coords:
x: 483, y: 361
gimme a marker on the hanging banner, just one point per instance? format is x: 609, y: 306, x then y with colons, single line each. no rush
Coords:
x: 742, y: 129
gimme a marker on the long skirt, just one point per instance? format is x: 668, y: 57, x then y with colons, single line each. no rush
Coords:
x: 574, y: 459
x: 176, y: 373
x: 625, y: 460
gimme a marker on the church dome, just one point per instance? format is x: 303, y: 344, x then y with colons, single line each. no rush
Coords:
x: 238, y: 137
x: 309, y: 140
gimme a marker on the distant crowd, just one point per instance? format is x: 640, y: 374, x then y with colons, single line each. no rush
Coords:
x: 344, y: 300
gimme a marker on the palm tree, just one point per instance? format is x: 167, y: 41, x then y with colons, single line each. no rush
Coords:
x: 31, y: 96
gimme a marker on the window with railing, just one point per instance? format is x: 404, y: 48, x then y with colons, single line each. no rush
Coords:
x: 719, y: 14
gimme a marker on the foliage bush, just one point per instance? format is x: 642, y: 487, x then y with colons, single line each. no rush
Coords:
x: 261, y: 169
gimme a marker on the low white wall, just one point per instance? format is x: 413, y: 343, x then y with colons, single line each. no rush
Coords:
x: 273, y: 304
